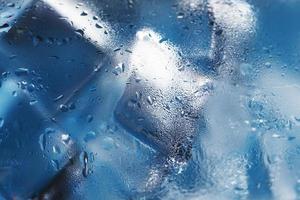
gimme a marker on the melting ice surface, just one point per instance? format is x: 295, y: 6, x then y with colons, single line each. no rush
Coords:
x: 149, y: 99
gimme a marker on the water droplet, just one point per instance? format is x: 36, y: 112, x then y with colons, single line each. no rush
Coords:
x: 98, y: 25
x: 21, y: 71
x: 180, y: 15
x: 5, y: 25
x: 36, y: 40
x: 1, y: 122
x: 85, y: 170
x: 219, y: 32
x: 181, y: 68
x: 42, y: 141
x: 90, y: 136
x: 268, y: 64
x: 59, y: 97
x: 49, y: 130
x: 14, y: 93
x: 55, y: 164
x: 65, y: 138
x: 162, y: 40
x: 290, y: 138
x: 89, y: 118
x: 56, y: 149
x: 72, y: 106
x: 11, y: 5
x: 276, y: 136
x: 95, y: 17
x: 32, y: 102
x: 80, y: 32
x: 120, y: 68
x: 149, y: 100
x: 63, y: 108
x: 84, y: 13
x: 30, y: 87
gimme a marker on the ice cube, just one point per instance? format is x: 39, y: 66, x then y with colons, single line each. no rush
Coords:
x: 47, y: 42
x: 162, y: 101
x: 27, y: 140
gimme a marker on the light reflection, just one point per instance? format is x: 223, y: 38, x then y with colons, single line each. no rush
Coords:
x: 233, y: 15
x: 192, y: 4
x: 102, y: 37
x: 160, y: 63
x: 153, y: 60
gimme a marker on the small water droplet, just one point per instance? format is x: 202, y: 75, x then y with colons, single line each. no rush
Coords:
x: 90, y: 136
x: 180, y: 15
x: 98, y: 25
x: 84, y: 13
x: 72, y: 106
x: 162, y: 40
x: 80, y: 32
x: 63, y: 108
x: 149, y: 100
x: 56, y: 149
x: 89, y: 118
x: 36, y: 40
x: 55, y: 164
x: 276, y: 136
x: 268, y: 64
x: 59, y: 97
x: 33, y: 102
x: 11, y: 5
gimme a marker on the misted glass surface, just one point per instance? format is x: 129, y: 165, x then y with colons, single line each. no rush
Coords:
x: 149, y: 99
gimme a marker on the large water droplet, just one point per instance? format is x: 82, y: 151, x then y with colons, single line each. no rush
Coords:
x: 65, y: 138
x: 1, y: 122
x: 90, y: 136
x: 5, y: 25
x: 85, y: 170
x: 21, y: 71
x: 42, y: 141
x: 56, y: 149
